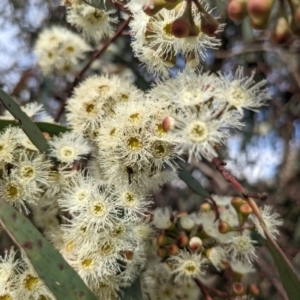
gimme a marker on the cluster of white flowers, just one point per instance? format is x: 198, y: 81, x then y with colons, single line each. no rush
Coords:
x: 197, y: 110
x: 18, y: 280
x: 93, y: 201
x: 104, y: 230
x: 189, y: 246
x: 94, y: 23
x: 206, y: 106
x: 59, y: 50
x: 25, y: 173
x: 158, y: 38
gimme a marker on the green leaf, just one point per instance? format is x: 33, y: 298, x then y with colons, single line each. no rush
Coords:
x: 52, y: 129
x: 191, y: 182
x: 133, y: 292
x: 60, y: 278
x: 247, y: 31
x: 289, y: 278
x: 28, y: 126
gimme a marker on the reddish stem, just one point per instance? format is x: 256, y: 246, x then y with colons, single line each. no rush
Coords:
x: 231, y: 179
x: 100, y: 51
x: 96, y: 54
x: 207, y: 290
x: 203, y: 289
x: 249, y: 198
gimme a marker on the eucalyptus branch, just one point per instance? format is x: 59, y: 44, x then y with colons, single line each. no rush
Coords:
x: 245, y: 193
x: 99, y: 52
x: 207, y: 290
x: 95, y: 55
x: 231, y: 179
x: 103, y: 171
x: 277, y: 254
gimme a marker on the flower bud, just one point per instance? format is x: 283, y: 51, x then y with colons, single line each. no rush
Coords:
x: 224, y: 227
x: 195, y: 244
x: 173, y: 249
x: 182, y: 240
x: 162, y: 252
x: 168, y: 124
x: 260, y: 8
x: 253, y: 289
x: 47, y: 136
x: 205, y: 207
x: 184, y: 25
x: 129, y: 254
x: 237, y: 9
x: 181, y: 28
x: 259, y: 23
x: 282, y: 32
x: 187, y: 223
x: 163, y: 240
x: 236, y: 202
x: 209, y: 25
x: 238, y: 288
x: 259, y: 12
x: 245, y: 210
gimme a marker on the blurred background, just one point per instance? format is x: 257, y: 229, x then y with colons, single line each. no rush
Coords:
x: 265, y: 156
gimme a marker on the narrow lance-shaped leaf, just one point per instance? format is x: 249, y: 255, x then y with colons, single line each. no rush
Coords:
x: 289, y: 278
x: 28, y: 126
x: 51, y: 128
x: 191, y: 182
x: 60, y: 278
x: 133, y: 292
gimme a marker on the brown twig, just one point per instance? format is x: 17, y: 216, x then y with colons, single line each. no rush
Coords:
x: 203, y: 289
x: 231, y: 179
x: 246, y: 194
x: 119, y: 5
x: 249, y: 198
x: 96, y: 54
x: 101, y: 51
x: 207, y: 290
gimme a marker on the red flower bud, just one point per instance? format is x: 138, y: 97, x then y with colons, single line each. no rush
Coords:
x: 237, y: 9
x: 238, y: 288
